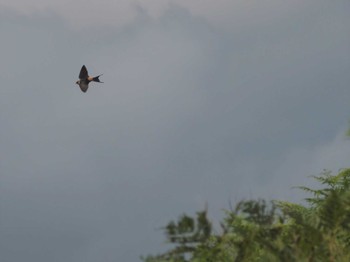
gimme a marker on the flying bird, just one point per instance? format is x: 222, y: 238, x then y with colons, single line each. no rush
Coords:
x: 85, y: 79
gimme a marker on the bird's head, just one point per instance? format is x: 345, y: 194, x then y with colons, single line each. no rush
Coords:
x: 77, y: 82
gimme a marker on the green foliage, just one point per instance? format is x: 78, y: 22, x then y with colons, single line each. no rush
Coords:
x: 188, y: 233
x: 257, y: 230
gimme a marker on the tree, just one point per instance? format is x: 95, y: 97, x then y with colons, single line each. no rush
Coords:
x: 257, y: 230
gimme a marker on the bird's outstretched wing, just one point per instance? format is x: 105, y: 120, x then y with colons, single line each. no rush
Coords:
x: 83, y: 73
x: 84, y: 85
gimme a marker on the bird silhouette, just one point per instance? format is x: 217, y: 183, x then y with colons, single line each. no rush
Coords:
x: 85, y: 79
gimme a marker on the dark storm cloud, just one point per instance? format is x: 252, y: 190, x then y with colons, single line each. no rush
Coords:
x: 188, y: 114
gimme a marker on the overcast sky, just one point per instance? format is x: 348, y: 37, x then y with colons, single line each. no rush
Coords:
x: 202, y: 102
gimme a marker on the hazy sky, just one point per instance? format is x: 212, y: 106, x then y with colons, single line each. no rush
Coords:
x: 203, y: 101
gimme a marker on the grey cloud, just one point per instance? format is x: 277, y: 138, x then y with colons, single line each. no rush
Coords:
x: 188, y: 114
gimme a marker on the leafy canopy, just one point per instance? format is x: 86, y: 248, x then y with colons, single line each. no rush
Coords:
x: 257, y: 230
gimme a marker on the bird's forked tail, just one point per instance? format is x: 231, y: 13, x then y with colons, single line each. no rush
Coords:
x: 96, y: 79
